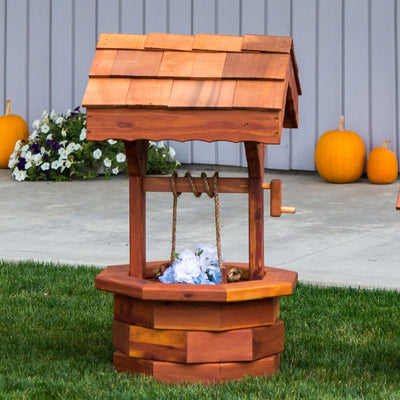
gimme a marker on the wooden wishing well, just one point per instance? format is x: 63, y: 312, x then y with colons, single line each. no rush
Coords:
x: 209, y: 88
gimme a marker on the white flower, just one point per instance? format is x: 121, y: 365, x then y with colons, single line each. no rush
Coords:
x: 12, y: 162
x: 107, y: 162
x: 151, y: 143
x: 28, y: 156
x: 42, y: 150
x: 63, y: 132
x: 62, y: 152
x: 55, y: 164
x: 34, y: 134
x: 36, y: 124
x: 17, y: 145
x: 59, y: 121
x: 37, y: 158
x: 28, y: 164
x: 67, y: 164
x: 111, y: 141
x: 160, y: 144
x: 172, y: 152
x: 115, y: 171
x: 53, y: 115
x: 72, y: 147
x: 97, y: 154
x: 44, y: 128
x: 49, y: 137
x: 19, y: 175
x: 186, y: 267
x: 45, y: 166
x: 24, y: 149
x: 82, y: 136
x: 120, y: 157
x: 45, y: 115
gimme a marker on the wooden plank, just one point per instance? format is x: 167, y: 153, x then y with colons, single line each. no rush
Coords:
x: 207, y: 125
x: 273, y: 44
x: 268, y: 340
x: 204, y: 372
x: 176, y: 64
x: 136, y: 63
x: 259, y: 94
x: 163, y: 41
x: 202, y: 93
x: 133, y: 310
x: 149, y: 92
x: 256, y: 66
x: 265, y: 366
x: 255, y: 155
x: 208, y: 65
x: 106, y: 92
x: 249, y: 313
x: 275, y: 209
x: 102, y: 63
x: 217, y: 42
x: 121, y: 41
x: 136, y: 156
x: 225, y: 185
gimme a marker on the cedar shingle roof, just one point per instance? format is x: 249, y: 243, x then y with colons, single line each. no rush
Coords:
x: 250, y: 83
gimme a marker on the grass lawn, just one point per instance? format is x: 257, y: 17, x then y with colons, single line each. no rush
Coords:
x: 56, y: 333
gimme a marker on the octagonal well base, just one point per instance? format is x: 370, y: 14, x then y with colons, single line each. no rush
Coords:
x: 197, y: 333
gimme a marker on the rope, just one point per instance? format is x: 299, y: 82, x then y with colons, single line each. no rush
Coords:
x: 197, y: 194
x: 174, y: 208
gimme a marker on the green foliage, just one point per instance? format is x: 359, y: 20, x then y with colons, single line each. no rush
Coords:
x: 56, y: 342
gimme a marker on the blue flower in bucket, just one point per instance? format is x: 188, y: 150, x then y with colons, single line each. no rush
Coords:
x: 198, y: 267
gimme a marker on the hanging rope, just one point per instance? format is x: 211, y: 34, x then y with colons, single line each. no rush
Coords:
x: 211, y: 194
x: 174, y: 208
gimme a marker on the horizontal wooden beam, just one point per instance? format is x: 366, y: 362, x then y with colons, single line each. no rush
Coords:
x: 225, y: 185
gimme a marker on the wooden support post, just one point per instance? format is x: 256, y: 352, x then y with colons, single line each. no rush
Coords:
x: 255, y: 154
x: 136, y: 155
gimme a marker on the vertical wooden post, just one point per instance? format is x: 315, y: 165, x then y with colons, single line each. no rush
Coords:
x: 255, y: 154
x: 136, y: 155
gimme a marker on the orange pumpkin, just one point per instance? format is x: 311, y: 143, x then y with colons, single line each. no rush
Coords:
x: 12, y: 129
x: 340, y: 155
x: 382, y: 165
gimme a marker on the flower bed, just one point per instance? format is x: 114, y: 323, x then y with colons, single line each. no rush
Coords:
x: 57, y: 150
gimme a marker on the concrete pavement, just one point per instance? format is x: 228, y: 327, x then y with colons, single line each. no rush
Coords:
x: 342, y: 235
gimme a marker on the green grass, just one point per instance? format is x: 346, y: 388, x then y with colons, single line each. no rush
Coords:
x: 56, y: 333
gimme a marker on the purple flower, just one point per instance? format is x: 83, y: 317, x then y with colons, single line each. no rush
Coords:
x: 21, y: 163
x: 35, y: 148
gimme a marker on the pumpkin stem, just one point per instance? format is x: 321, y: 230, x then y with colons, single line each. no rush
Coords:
x: 385, y: 143
x: 8, y: 107
x: 340, y: 127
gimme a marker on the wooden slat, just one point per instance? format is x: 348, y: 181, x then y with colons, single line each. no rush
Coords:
x: 181, y: 125
x: 164, y: 41
x: 204, y: 372
x: 102, y: 63
x: 208, y: 65
x: 217, y: 42
x: 136, y: 156
x: 121, y: 41
x: 225, y: 185
x: 149, y: 92
x: 106, y: 91
x: 276, y: 282
x: 136, y: 63
x: 256, y: 66
x: 259, y: 94
x: 273, y: 44
x: 202, y: 93
x: 176, y: 64
x: 188, y: 346
x: 291, y: 116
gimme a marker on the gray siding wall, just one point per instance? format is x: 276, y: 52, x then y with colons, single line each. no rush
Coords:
x: 347, y: 51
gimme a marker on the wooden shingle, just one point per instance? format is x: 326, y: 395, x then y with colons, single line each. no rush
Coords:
x: 248, y: 82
